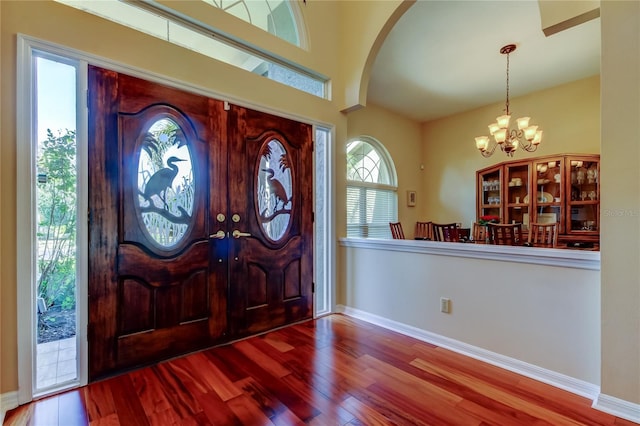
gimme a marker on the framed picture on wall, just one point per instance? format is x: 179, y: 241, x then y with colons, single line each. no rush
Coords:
x: 411, y: 198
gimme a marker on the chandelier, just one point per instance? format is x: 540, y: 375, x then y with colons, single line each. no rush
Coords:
x: 526, y: 137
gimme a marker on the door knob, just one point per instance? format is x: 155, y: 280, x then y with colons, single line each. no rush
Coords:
x: 238, y: 234
x: 218, y: 235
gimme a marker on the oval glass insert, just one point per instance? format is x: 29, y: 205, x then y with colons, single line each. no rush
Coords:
x: 166, y: 185
x: 274, y: 190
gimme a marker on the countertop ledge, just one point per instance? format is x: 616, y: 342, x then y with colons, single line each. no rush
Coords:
x: 568, y: 258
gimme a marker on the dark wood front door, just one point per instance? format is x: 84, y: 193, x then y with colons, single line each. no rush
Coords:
x: 172, y: 175
x: 271, y: 223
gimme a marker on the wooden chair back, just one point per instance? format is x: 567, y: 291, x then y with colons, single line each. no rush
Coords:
x: 479, y: 232
x: 396, y: 230
x: 445, y: 232
x: 505, y: 234
x: 424, y: 231
x: 543, y: 234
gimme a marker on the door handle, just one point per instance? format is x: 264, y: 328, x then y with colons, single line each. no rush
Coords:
x: 218, y: 235
x: 238, y: 234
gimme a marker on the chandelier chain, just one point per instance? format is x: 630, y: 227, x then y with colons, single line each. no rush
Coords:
x: 507, y: 102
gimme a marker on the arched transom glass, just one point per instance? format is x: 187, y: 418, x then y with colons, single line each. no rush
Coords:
x: 165, y: 183
x: 273, y: 16
x: 364, y: 164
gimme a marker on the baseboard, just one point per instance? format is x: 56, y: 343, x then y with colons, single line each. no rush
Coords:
x: 570, y: 384
x: 618, y: 407
x: 8, y: 401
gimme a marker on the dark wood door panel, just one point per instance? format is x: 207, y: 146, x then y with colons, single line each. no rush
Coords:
x: 201, y: 222
x: 164, y: 343
x: 154, y: 291
x: 135, y: 261
x: 135, y: 203
x: 272, y: 267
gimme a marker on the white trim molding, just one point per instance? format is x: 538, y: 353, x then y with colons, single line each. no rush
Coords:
x: 570, y: 384
x: 576, y: 259
x: 8, y: 401
x: 618, y: 407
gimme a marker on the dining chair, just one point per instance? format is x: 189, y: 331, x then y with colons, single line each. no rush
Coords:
x: 396, y: 230
x: 543, y: 234
x: 507, y: 234
x: 464, y: 234
x: 445, y: 232
x: 423, y: 231
x: 479, y: 232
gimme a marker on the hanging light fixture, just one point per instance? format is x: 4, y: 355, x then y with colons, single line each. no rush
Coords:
x: 526, y: 137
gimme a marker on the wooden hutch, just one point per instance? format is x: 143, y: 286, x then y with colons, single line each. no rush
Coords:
x: 560, y: 188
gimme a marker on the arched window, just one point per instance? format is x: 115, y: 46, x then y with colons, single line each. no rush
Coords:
x: 372, y: 189
x: 273, y: 16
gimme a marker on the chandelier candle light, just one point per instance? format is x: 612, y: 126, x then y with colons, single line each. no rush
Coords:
x: 526, y: 137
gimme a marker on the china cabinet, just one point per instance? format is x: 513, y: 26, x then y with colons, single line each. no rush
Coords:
x: 561, y: 188
x: 489, y: 192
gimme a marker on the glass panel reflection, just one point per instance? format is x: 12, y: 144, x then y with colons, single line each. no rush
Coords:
x: 165, y: 183
x: 274, y: 189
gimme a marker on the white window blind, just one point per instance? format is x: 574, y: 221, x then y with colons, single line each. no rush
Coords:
x: 369, y: 211
x: 372, y: 198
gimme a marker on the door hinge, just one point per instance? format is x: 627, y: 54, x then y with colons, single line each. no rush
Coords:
x: 227, y: 107
x: 89, y: 328
x: 313, y: 217
x: 313, y: 287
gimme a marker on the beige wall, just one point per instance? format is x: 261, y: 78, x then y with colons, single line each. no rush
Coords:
x: 331, y: 25
x: 401, y: 137
x: 571, y: 118
x: 620, y: 210
x: 620, y: 367
x: 568, y: 114
x: 358, y: 51
x: 546, y: 316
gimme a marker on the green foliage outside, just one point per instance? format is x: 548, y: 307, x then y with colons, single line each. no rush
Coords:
x: 57, y: 219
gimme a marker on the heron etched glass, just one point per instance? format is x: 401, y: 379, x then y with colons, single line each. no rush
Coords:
x: 274, y: 190
x: 165, y: 183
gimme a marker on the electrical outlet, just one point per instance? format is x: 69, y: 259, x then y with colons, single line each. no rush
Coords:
x: 445, y: 305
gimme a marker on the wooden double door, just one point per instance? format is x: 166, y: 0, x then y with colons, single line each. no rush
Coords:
x: 200, y: 222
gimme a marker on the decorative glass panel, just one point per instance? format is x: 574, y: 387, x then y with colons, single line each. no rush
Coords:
x: 165, y: 183
x: 274, y: 190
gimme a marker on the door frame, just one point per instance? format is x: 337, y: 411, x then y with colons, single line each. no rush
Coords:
x: 26, y: 248
x: 323, y: 193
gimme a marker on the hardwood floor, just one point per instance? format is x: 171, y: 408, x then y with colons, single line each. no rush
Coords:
x: 332, y: 371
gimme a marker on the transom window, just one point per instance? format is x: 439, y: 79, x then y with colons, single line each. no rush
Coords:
x: 273, y: 16
x: 372, y: 189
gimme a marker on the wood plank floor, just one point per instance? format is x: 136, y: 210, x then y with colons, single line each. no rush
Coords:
x: 332, y: 371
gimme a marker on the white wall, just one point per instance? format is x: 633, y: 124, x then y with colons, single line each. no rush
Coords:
x: 548, y: 316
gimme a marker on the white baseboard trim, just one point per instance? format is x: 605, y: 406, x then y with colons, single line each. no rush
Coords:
x: 8, y: 401
x: 570, y: 384
x: 618, y: 407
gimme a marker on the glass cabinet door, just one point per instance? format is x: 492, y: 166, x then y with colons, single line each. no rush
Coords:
x: 517, y: 189
x: 584, y: 195
x: 490, y: 190
x: 548, y: 191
